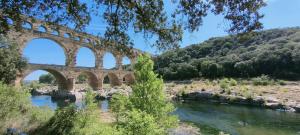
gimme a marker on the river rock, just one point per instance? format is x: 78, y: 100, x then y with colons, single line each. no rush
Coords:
x: 184, y: 129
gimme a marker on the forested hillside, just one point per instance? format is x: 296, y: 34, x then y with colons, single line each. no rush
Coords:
x: 273, y: 52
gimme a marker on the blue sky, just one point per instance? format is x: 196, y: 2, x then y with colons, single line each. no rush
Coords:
x: 278, y: 14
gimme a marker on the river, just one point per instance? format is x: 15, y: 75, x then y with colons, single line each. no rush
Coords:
x: 213, y: 117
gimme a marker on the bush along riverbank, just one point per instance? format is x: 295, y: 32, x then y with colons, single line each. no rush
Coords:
x: 261, y: 91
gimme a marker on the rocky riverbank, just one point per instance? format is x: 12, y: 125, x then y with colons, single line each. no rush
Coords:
x: 282, y: 98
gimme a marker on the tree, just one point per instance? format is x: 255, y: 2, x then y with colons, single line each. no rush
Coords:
x: 272, y: 52
x: 148, y: 17
x: 11, y: 62
x: 147, y: 103
x: 47, y: 78
x: 82, y: 78
x: 211, y: 69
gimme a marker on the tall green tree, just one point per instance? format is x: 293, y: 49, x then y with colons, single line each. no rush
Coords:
x: 147, y: 104
x: 149, y: 17
x: 11, y: 62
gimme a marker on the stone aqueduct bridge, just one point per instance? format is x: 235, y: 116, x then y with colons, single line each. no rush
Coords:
x: 71, y: 41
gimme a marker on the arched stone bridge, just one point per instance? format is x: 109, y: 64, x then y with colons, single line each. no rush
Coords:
x: 71, y: 41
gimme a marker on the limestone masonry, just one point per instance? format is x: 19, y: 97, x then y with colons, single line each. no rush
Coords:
x: 71, y: 41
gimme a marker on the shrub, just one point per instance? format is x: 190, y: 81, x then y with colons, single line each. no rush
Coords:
x: 119, y: 104
x: 262, y: 80
x: 73, y: 121
x: 224, y: 84
x: 281, y: 82
x: 17, y: 112
x: 232, y: 82
x: 142, y: 123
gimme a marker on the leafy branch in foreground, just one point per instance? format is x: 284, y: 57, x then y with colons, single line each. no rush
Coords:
x: 11, y: 61
x: 149, y: 17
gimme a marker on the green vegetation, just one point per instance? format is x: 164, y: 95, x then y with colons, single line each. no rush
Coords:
x: 47, y: 79
x: 147, y: 17
x: 11, y: 61
x: 82, y: 78
x: 272, y: 52
x: 74, y: 121
x: 17, y: 112
x: 262, y: 80
x: 146, y: 111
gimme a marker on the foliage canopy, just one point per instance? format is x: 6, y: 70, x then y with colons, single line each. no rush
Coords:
x: 273, y: 52
x: 146, y: 111
x: 11, y: 61
x: 149, y: 17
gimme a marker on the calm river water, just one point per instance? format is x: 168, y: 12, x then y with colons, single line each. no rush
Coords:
x: 212, y: 117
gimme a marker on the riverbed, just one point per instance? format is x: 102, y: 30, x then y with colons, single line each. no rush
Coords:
x: 213, y: 117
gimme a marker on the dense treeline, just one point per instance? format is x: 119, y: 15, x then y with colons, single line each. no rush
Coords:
x: 273, y: 52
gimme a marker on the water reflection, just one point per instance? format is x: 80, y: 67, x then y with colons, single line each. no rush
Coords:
x: 44, y: 100
x: 212, y: 118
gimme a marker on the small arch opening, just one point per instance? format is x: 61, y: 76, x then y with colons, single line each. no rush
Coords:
x: 42, y: 29
x: 27, y: 25
x: 55, y: 32
x: 67, y: 35
x: 77, y: 38
x: 10, y: 21
x: 106, y: 82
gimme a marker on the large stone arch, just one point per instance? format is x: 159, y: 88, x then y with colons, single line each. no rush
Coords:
x: 28, y: 40
x: 113, y: 79
x: 60, y: 78
x: 92, y: 80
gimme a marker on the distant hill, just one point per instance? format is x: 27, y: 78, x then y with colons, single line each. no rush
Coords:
x: 274, y: 52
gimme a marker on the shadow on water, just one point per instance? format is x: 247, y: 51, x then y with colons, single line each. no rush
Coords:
x: 213, y: 117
